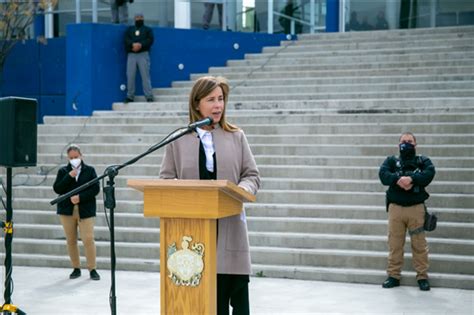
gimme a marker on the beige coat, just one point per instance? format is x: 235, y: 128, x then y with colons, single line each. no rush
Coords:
x: 235, y: 163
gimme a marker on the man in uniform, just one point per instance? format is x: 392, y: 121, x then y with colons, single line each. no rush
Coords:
x: 407, y: 176
x: 138, y: 41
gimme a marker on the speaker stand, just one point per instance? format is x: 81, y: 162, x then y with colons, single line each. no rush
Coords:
x: 7, y: 307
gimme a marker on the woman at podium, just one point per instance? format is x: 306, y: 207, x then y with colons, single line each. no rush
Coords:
x: 218, y: 151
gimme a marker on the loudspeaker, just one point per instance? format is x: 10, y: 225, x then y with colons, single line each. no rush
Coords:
x: 18, y: 131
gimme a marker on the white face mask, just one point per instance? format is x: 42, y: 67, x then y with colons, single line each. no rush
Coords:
x: 75, y: 162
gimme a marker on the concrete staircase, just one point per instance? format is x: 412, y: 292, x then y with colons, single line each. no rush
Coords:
x: 321, y: 114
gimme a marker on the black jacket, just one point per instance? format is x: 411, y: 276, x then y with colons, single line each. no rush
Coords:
x: 420, y: 169
x: 142, y: 35
x: 64, y: 183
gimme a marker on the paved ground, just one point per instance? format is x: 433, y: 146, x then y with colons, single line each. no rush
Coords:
x: 40, y: 291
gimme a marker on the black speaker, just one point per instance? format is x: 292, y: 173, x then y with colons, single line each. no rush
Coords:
x: 18, y: 131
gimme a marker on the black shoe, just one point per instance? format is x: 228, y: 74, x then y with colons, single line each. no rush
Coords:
x: 128, y: 100
x: 76, y: 273
x: 390, y: 283
x: 150, y: 99
x: 94, y: 275
x: 424, y: 285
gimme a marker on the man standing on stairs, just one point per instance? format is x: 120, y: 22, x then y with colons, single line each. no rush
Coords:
x: 407, y: 176
x: 138, y: 41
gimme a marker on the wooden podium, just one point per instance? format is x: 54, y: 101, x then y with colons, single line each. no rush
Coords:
x: 188, y: 210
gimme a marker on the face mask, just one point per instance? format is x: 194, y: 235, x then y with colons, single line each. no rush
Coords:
x: 407, y: 151
x: 139, y: 23
x: 75, y: 162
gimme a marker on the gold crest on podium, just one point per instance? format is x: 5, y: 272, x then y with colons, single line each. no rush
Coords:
x: 185, y: 266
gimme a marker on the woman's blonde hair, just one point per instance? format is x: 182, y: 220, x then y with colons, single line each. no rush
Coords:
x: 202, y: 88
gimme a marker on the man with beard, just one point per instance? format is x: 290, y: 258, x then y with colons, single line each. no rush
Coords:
x: 407, y: 176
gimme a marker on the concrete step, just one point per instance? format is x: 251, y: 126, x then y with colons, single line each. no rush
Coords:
x: 454, y: 230
x: 331, y: 88
x: 389, y: 35
x: 356, y: 198
x: 62, y: 261
x: 290, y: 241
x: 147, y: 251
x: 413, y: 43
x: 463, y: 92
x: 428, y: 139
x: 54, y: 159
x: 356, y: 59
x: 101, y: 233
x: 125, y: 193
x: 275, y: 116
x: 362, y: 275
x: 316, y: 209
x: 293, y: 81
x: 347, y: 73
x: 121, y: 219
x: 353, y: 242
x: 349, y: 258
x: 28, y: 182
x: 265, y: 129
x: 287, y: 149
x: 339, y: 211
x: 464, y: 45
x: 405, y: 65
x: 359, y: 275
x: 291, y: 172
x: 396, y: 105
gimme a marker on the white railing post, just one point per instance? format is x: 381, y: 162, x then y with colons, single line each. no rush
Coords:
x: 270, y: 17
x: 182, y: 14
x: 49, y: 22
x: 78, y: 11
x: 94, y: 11
x: 312, y: 21
x: 224, y: 15
x: 342, y: 16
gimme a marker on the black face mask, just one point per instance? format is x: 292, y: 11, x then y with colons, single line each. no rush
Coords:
x: 139, y: 23
x: 407, y: 151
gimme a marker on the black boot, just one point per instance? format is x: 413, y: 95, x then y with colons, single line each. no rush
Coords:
x: 390, y: 282
x: 76, y: 273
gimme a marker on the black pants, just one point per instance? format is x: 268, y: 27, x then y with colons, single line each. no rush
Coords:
x: 233, y: 289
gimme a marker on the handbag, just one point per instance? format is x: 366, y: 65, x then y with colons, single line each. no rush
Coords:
x: 429, y: 225
x: 430, y: 221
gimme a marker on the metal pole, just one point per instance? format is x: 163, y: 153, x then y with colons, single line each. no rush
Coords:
x: 292, y: 27
x: 433, y: 13
x: 78, y: 11
x: 311, y: 16
x: 224, y: 15
x: 270, y: 17
x: 49, y: 22
x: 342, y: 16
x: 94, y: 11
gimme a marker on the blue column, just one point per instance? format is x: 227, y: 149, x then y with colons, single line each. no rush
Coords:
x: 39, y: 25
x: 332, y: 15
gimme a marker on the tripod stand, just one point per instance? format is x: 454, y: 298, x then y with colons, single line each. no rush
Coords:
x: 7, y: 307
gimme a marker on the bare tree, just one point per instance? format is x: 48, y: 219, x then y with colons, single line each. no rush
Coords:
x: 15, y: 18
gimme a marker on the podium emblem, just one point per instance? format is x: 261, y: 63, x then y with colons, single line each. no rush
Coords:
x: 185, y: 266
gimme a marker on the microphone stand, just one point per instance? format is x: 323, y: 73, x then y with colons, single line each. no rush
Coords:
x: 111, y: 172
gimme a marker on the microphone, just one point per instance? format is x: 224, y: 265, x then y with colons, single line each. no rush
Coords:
x: 203, y: 122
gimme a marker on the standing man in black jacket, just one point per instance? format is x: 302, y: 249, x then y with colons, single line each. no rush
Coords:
x: 407, y: 176
x: 138, y: 41
x: 78, y: 211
